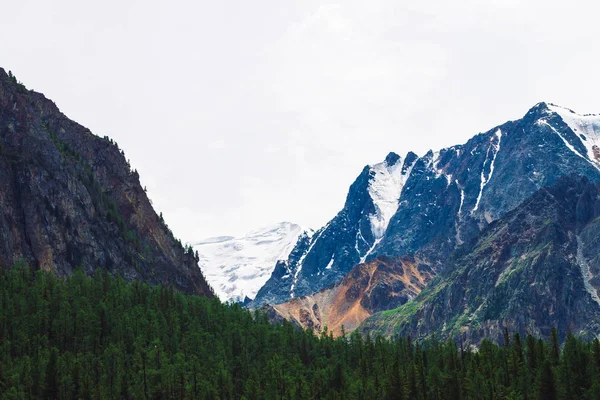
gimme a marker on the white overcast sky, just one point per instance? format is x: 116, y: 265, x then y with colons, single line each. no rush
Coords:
x: 238, y: 114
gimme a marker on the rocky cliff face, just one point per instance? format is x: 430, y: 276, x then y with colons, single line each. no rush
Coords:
x: 69, y: 198
x: 376, y: 285
x: 443, y: 199
x: 534, y: 269
x: 347, y: 239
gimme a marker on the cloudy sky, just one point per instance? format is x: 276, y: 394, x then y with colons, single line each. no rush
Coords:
x: 238, y: 114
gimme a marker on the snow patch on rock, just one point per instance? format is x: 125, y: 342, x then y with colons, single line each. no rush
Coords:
x: 586, y: 127
x: 494, y: 149
x: 566, y: 142
x: 385, y: 188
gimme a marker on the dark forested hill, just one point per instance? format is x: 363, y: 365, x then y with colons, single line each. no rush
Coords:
x: 69, y: 198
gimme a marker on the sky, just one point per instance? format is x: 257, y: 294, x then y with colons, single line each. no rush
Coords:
x: 239, y: 114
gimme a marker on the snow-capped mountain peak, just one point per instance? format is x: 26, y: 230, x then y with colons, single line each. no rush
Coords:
x: 237, y: 267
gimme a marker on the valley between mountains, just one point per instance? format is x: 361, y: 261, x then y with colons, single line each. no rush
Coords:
x: 499, y: 233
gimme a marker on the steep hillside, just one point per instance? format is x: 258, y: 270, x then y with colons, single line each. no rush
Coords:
x: 376, y: 285
x: 238, y: 267
x: 534, y: 269
x: 69, y: 198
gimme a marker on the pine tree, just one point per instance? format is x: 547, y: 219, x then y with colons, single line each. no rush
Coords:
x: 555, y: 346
x: 546, y: 386
x: 396, y: 385
x: 51, y: 390
x: 531, y: 354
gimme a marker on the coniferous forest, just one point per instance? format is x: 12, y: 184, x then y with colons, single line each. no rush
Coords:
x: 103, y: 338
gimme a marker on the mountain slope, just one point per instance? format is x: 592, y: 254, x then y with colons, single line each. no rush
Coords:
x: 376, y: 285
x: 238, y: 267
x: 534, y: 269
x: 69, y: 198
x: 347, y: 239
x: 445, y: 198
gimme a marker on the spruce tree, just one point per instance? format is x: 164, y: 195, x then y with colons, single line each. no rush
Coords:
x: 51, y: 387
x: 555, y: 354
x: 546, y: 385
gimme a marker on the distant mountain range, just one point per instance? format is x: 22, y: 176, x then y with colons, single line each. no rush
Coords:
x: 238, y: 267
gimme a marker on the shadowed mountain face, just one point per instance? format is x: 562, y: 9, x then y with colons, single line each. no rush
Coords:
x: 534, y: 269
x: 441, y: 200
x: 376, y: 285
x: 69, y: 198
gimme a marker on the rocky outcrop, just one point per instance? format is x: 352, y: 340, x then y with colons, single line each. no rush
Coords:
x: 70, y: 199
x: 534, y: 269
x: 377, y: 285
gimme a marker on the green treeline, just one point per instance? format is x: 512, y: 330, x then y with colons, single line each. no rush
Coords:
x: 103, y: 338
